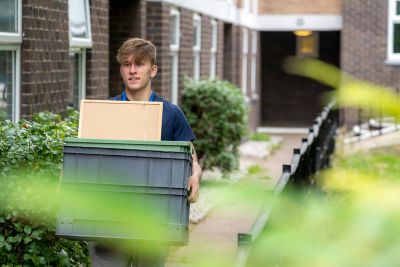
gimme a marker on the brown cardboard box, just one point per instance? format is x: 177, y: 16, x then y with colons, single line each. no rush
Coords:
x: 120, y: 120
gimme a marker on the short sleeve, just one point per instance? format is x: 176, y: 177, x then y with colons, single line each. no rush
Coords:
x: 182, y: 130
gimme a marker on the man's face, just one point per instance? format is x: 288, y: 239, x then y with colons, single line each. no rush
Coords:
x: 137, y: 74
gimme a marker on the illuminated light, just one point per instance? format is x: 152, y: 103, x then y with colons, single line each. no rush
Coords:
x: 303, y: 33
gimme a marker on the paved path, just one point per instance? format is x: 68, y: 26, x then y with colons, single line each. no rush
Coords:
x: 213, y: 242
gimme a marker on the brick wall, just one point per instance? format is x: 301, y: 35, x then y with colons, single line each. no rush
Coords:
x: 44, y: 56
x: 186, y: 46
x: 97, y: 82
x: 127, y: 20
x: 220, y: 51
x: 232, y: 54
x: 300, y: 6
x: 158, y: 31
x: 364, y: 41
x: 205, y: 56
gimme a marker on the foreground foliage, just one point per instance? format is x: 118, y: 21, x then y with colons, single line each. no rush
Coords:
x: 31, y: 154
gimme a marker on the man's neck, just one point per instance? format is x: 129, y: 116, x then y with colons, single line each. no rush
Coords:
x: 142, y: 95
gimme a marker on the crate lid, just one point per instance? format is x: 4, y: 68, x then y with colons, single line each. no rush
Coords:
x: 165, y: 146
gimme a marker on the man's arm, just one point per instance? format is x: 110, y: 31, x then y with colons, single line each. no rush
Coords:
x: 194, y: 180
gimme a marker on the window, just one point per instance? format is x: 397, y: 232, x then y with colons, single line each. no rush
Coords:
x: 196, y: 46
x: 10, y: 54
x: 80, y: 34
x: 80, y: 38
x: 76, y: 79
x: 307, y: 45
x: 213, y: 50
x: 393, y: 43
x: 174, y: 48
x: 254, y: 44
x: 245, y: 49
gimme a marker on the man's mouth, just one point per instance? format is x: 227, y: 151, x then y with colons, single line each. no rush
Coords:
x: 134, y: 79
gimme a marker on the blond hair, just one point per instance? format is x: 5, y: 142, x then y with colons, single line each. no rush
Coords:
x: 141, y: 49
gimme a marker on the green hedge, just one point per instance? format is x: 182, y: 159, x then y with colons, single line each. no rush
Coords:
x: 217, y: 112
x: 30, y: 164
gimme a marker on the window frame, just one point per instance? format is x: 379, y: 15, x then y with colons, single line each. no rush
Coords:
x: 13, y: 38
x: 245, y: 50
x: 12, y: 42
x: 77, y: 42
x: 393, y: 19
x: 196, y: 46
x: 254, y: 6
x: 174, y: 52
x: 16, y: 79
x: 82, y: 73
x: 254, y: 51
x: 246, y: 5
x: 175, y: 13
x: 214, y: 48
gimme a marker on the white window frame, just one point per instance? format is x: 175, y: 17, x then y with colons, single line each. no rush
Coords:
x: 82, y: 72
x: 254, y: 51
x: 246, y: 5
x: 16, y: 80
x: 174, y: 49
x: 12, y: 42
x: 196, y: 47
x: 75, y: 42
x: 245, y: 50
x: 80, y: 45
x: 16, y: 37
x: 392, y: 57
x: 213, y: 49
x: 254, y: 6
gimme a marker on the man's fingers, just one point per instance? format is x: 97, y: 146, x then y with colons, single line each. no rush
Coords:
x: 194, y: 195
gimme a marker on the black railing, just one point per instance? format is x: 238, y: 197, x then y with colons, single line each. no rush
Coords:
x: 313, y: 155
x: 372, y: 123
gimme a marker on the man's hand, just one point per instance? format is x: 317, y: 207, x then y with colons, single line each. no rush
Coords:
x: 194, y: 180
x: 193, y: 187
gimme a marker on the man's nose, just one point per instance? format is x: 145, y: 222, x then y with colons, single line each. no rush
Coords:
x: 132, y: 68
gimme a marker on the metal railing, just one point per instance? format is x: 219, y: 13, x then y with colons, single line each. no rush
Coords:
x: 369, y: 123
x: 313, y: 155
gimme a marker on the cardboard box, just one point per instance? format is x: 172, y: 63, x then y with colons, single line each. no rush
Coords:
x: 120, y: 120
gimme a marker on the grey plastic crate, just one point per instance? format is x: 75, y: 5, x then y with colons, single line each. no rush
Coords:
x: 108, y: 186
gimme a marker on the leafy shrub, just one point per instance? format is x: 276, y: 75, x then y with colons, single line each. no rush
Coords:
x: 217, y: 112
x: 30, y: 164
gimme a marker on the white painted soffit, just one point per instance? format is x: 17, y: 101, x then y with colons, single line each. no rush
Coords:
x: 299, y: 22
x: 219, y: 9
x: 222, y: 10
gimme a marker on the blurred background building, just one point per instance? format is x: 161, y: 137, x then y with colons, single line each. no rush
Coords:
x: 55, y: 52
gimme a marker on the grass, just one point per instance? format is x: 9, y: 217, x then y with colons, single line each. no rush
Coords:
x: 254, y: 169
x: 260, y: 137
x: 384, y: 163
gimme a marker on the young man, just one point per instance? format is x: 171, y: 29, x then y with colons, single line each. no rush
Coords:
x: 137, y: 58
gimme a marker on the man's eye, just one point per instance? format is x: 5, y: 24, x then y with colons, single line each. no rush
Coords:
x: 126, y: 64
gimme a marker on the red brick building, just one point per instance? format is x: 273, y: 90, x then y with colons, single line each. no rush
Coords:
x: 55, y: 52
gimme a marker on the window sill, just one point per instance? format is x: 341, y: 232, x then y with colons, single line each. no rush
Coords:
x: 255, y: 97
x: 393, y: 62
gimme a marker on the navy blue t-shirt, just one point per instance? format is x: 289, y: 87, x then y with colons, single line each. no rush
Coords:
x: 175, y: 127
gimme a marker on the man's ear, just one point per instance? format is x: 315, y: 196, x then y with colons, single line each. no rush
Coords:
x: 154, y: 69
